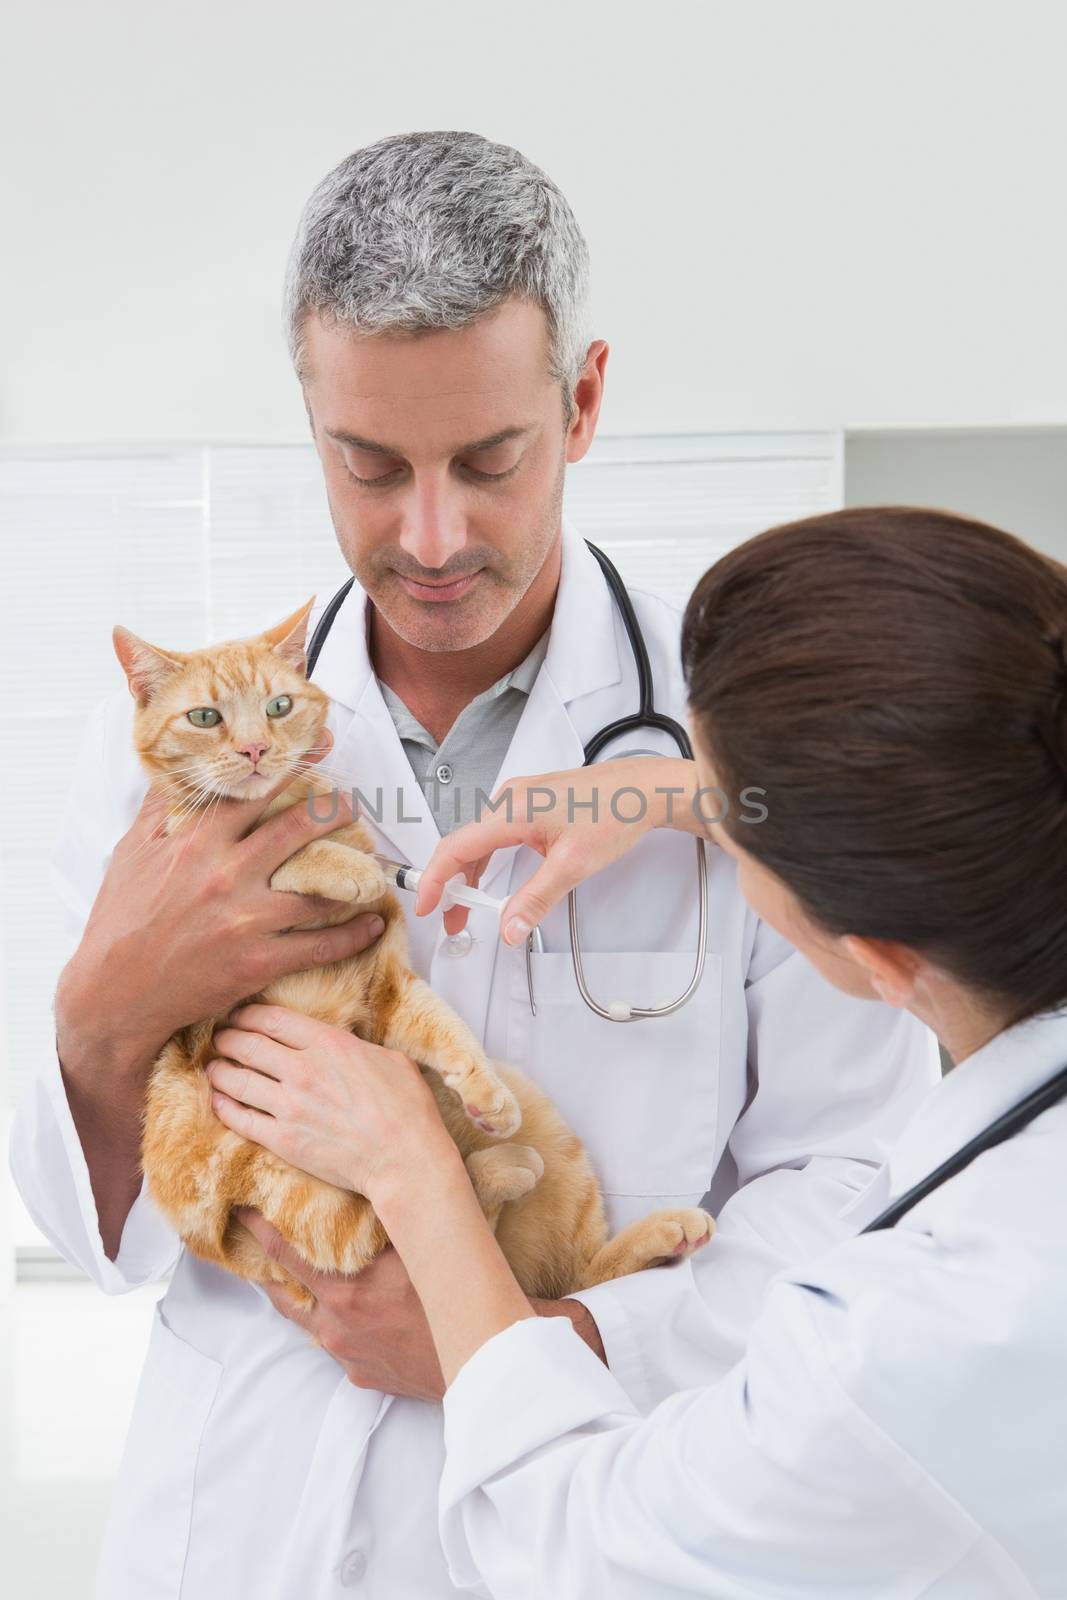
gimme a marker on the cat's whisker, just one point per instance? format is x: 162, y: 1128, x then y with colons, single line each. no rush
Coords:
x: 306, y: 768
x: 192, y: 802
x: 190, y: 783
x: 195, y: 786
x: 309, y: 768
x: 157, y: 840
x: 211, y: 806
x: 178, y: 815
x: 309, y: 772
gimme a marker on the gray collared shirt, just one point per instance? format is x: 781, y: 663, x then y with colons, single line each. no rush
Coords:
x: 467, y: 762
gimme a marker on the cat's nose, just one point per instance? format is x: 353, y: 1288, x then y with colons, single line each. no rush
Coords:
x: 253, y: 751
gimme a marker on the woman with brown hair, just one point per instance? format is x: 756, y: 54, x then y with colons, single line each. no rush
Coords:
x: 896, y: 682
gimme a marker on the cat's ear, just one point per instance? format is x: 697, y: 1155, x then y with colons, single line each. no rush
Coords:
x: 288, y: 637
x: 147, y: 669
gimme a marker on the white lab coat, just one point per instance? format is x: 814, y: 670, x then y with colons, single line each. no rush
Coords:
x: 253, y: 1467
x: 895, y: 1430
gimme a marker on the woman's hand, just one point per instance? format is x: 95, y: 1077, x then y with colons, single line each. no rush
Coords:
x: 364, y: 1119
x: 580, y: 821
x: 333, y: 1105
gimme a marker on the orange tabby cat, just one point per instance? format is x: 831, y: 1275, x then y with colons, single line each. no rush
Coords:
x: 200, y: 717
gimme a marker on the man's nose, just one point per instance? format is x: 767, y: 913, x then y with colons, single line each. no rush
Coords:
x: 435, y: 522
x: 253, y: 751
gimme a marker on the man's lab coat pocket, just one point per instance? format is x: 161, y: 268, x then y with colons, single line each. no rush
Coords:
x: 147, y: 1535
x: 642, y: 1096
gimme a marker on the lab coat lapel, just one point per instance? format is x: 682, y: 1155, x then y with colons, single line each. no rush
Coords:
x: 368, y: 756
x: 582, y: 657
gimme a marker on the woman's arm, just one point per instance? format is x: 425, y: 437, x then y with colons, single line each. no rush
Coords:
x: 363, y: 1118
x: 453, y: 1260
x: 553, y: 1484
x: 773, y: 1484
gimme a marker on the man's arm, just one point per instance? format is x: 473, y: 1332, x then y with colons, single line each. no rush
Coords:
x: 105, y: 1085
x: 179, y: 928
x: 75, y: 1146
x: 373, y: 1324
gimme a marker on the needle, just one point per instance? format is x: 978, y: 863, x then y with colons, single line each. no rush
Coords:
x: 456, y: 892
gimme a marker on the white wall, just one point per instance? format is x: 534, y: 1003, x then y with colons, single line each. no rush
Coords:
x: 803, y: 213
x: 1015, y: 478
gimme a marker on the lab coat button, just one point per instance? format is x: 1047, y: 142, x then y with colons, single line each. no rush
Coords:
x: 444, y: 773
x: 352, y: 1568
x: 457, y: 944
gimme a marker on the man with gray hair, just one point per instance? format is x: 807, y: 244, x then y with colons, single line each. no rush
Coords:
x: 436, y: 313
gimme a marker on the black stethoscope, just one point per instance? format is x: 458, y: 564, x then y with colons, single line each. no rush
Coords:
x: 646, y: 716
x: 1005, y: 1127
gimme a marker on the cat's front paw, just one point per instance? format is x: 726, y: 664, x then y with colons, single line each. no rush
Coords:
x: 359, y: 879
x: 332, y: 870
x: 486, y: 1098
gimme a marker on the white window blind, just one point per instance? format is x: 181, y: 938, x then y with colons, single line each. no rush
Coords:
x: 188, y: 545
x: 665, y: 508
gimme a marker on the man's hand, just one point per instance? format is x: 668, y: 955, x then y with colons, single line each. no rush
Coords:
x: 185, y: 926
x: 373, y: 1324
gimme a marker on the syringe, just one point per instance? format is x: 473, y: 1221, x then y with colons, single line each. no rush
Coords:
x: 456, y: 892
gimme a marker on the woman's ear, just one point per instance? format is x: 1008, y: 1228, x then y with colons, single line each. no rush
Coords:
x: 891, y: 968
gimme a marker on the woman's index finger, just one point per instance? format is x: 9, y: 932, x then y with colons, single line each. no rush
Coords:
x: 468, y: 847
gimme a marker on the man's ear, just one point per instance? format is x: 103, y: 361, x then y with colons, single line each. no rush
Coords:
x: 147, y: 669
x: 585, y: 402
x: 892, y: 968
x: 289, y: 636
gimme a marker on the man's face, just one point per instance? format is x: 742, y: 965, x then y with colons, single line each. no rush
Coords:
x: 444, y: 456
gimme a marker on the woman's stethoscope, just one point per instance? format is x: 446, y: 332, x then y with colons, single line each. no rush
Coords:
x: 646, y: 716
x: 1020, y: 1116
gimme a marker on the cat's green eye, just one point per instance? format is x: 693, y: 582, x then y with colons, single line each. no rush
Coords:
x: 280, y: 706
x: 204, y: 717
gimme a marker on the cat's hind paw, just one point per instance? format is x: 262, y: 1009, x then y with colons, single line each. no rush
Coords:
x: 504, y: 1172
x: 673, y: 1235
